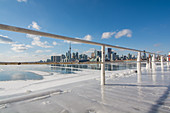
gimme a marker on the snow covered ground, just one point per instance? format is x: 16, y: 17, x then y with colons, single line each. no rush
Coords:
x: 125, y: 91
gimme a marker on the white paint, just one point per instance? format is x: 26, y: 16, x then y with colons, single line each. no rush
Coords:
x: 162, y: 65
x: 153, y: 62
x: 103, y: 66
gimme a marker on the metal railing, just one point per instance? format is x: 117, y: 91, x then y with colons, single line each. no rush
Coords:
x: 33, y: 32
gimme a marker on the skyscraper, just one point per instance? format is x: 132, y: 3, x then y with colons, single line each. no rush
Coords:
x: 77, y: 55
x: 109, y: 53
x: 144, y: 55
x: 69, y: 51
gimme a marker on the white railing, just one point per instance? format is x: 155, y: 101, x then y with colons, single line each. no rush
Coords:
x: 33, y: 32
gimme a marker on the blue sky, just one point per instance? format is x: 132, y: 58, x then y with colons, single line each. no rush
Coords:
x: 139, y: 24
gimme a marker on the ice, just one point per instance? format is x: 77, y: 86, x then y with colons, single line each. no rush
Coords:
x: 82, y: 93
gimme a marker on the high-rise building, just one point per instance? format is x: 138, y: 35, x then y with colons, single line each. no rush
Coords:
x: 144, y: 55
x: 129, y: 56
x: 113, y: 56
x: 73, y: 55
x: 63, y: 56
x: 92, y: 55
x: 70, y: 52
x: 95, y: 52
x: 109, y: 53
x: 77, y: 55
x: 55, y: 58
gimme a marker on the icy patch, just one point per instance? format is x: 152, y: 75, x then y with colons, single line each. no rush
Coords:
x: 30, y: 96
x: 3, y: 106
x: 91, y: 111
x: 1, y: 70
x: 46, y: 102
x: 42, y: 73
x: 126, y: 73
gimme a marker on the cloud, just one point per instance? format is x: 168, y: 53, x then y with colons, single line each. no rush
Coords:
x: 89, y: 51
x: 75, y: 50
x: 66, y: 41
x: 42, y: 51
x: 124, y: 32
x: 5, y: 40
x: 34, y: 25
x: 107, y: 34
x: 156, y: 45
x: 22, y: 0
x: 20, y: 47
x: 88, y: 37
x: 159, y: 52
x: 55, y: 43
x: 37, y: 42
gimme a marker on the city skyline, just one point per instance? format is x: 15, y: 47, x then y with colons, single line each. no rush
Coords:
x: 95, y: 56
x: 112, y: 22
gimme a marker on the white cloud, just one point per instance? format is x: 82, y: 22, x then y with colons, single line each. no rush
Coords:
x: 156, y: 45
x: 55, y: 43
x: 42, y: 51
x: 20, y: 47
x: 89, y: 51
x: 36, y: 41
x: 124, y: 32
x: 107, y: 34
x: 159, y: 52
x: 88, y: 37
x: 5, y: 40
x: 75, y: 50
x: 34, y: 25
x: 66, y: 41
x: 22, y: 0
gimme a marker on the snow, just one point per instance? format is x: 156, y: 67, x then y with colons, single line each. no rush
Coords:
x: 125, y: 91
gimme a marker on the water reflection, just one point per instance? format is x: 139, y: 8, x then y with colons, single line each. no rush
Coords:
x: 162, y: 73
x: 139, y: 77
x: 63, y: 70
x: 23, y: 72
x: 108, y: 66
x: 102, y: 94
x: 154, y: 76
x: 18, y: 75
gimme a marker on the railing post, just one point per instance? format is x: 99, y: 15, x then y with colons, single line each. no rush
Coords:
x: 139, y: 63
x: 162, y: 65
x: 150, y: 62
x: 139, y: 67
x: 167, y: 62
x: 103, y: 65
x: 153, y: 62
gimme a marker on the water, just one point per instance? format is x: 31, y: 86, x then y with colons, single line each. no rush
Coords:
x: 108, y: 67
x: 21, y: 72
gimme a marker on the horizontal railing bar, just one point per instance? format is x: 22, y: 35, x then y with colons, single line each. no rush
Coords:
x: 43, y: 63
x: 33, y: 32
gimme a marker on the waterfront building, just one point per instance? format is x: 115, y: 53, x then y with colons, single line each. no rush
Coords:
x: 129, y: 56
x: 73, y: 55
x: 77, y: 55
x: 109, y: 52
x: 55, y: 58
x: 113, y: 56
x: 92, y: 55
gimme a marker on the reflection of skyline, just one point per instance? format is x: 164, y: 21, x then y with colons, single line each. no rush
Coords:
x: 108, y: 67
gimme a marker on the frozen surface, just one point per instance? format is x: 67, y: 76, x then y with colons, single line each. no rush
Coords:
x: 125, y: 91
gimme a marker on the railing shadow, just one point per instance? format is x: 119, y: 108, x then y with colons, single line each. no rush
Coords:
x: 161, y: 101
x: 136, y: 85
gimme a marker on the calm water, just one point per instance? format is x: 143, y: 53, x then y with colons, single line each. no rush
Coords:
x: 20, y: 72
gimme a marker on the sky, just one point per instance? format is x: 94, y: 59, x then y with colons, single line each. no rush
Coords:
x: 137, y: 24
